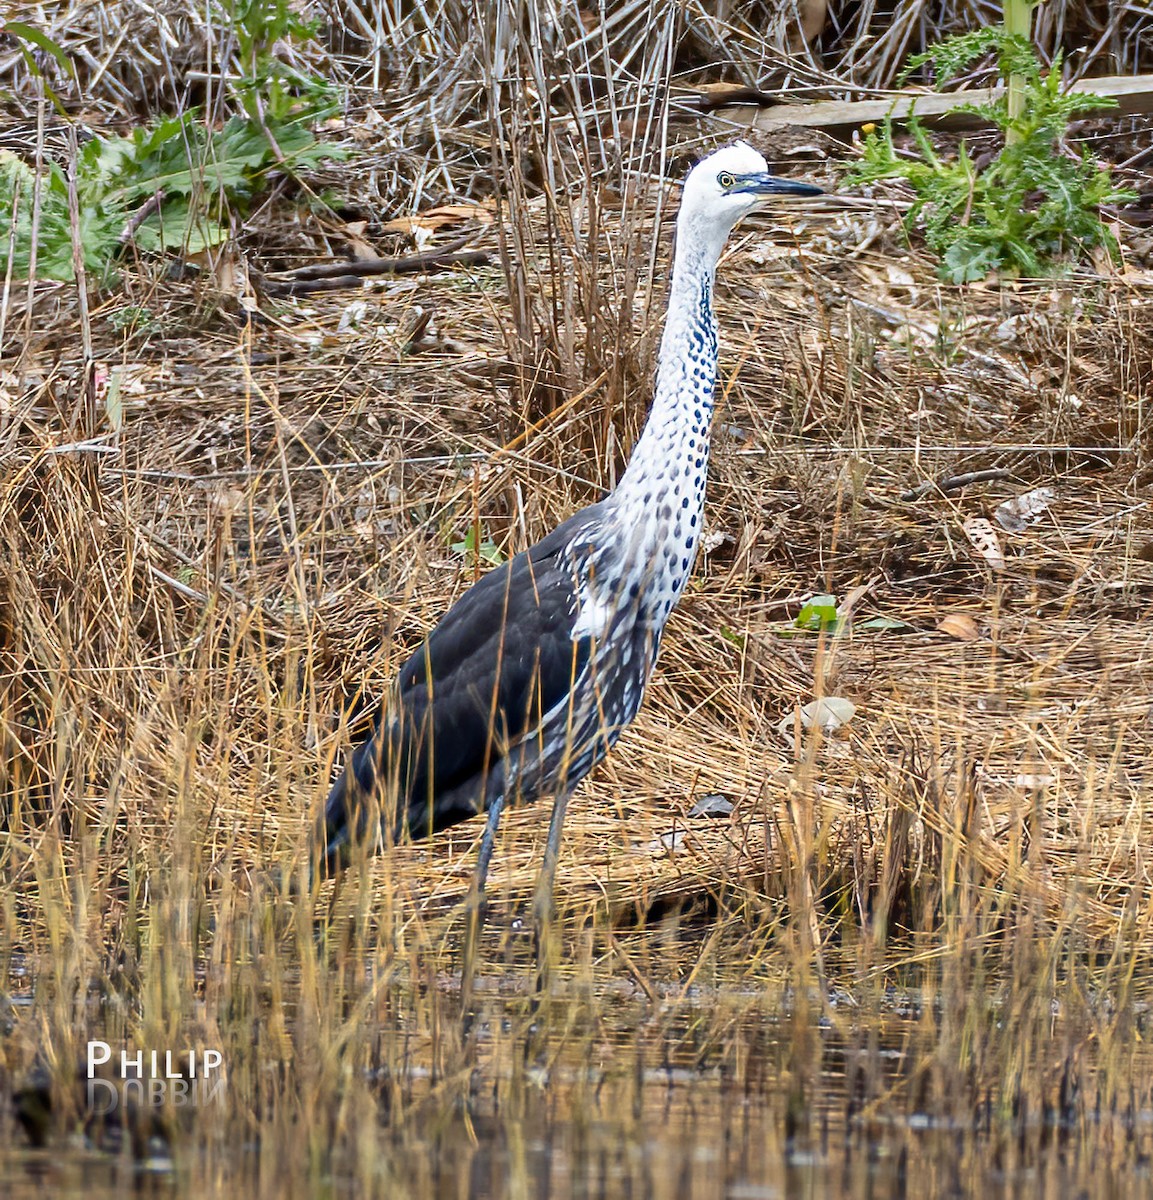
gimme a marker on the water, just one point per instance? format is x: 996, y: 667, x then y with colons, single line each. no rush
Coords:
x: 708, y: 1092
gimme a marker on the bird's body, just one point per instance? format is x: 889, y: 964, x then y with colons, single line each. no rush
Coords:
x: 529, y: 679
x: 482, y: 706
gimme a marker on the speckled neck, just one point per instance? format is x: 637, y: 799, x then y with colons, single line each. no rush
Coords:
x: 660, y: 498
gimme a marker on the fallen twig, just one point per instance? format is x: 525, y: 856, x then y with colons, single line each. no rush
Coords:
x: 326, y: 277
x: 181, y: 588
x: 951, y: 483
x: 151, y: 205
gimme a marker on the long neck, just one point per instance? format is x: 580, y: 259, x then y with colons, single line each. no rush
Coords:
x: 662, y: 493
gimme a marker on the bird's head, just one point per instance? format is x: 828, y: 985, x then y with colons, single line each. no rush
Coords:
x: 728, y: 185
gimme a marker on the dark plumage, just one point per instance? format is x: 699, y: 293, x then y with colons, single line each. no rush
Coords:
x: 489, y: 697
x: 528, y: 680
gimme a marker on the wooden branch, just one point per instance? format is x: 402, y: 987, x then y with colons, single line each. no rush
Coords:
x: 953, y: 483
x: 325, y: 277
x: 1133, y: 93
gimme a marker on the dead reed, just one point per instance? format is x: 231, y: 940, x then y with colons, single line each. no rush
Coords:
x: 194, y: 589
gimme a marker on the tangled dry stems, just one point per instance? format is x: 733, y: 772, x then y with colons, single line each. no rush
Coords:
x: 182, y: 612
x: 191, y: 597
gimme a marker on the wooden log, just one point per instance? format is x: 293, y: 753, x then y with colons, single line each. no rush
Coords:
x: 1133, y: 93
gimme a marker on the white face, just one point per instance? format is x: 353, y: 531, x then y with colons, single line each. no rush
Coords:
x: 730, y: 183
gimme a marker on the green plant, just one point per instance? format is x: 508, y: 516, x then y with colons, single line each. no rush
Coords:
x: 818, y: 615
x: 172, y: 184
x: 476, y: 547
x: 270, y: 91
x: 1030, y: 208
x: 133, y: 318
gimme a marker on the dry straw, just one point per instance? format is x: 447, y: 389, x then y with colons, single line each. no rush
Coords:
x: 190, y: 591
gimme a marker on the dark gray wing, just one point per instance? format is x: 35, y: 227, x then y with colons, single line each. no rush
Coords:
x: 499, y: 659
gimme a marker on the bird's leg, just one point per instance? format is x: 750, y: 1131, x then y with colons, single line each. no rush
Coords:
x: 543, y: 907
x: 475, y: 903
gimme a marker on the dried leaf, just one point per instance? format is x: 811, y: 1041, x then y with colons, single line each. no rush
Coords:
x: 985, y: 541
x: 960, y: 626
x: 114, y: 402
x: 436, y: 218
x: 813, y: 15
x: 713, y: 540
x: 352, y: 316
x: 1024, y: 510
x: 829, y: 712
x: 712, y: 805
x: 355, y: 237
x: 228, y: 269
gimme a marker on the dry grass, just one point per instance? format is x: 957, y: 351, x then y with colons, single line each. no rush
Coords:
x: 186, y: 601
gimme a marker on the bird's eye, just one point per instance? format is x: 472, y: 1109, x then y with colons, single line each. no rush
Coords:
x: 726, y: 180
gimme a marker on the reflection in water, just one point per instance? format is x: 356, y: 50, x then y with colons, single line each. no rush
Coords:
x: 710, y: 1093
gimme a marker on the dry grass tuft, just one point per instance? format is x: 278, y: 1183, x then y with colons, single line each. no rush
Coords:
x: 197, y: 583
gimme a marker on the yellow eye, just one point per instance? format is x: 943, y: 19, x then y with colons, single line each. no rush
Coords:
x: 726, y: 180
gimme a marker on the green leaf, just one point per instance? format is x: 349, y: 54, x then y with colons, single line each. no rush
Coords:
x: 39, y: 39
x: 487, y: 550
x: 194, y: 177
x: 818, y: 614
x: 882, y: 624
x: 180, y: 226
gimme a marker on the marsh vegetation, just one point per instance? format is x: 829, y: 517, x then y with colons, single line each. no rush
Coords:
x: 906, y: 955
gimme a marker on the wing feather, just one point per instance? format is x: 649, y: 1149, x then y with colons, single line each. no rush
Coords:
x: 500, y: 658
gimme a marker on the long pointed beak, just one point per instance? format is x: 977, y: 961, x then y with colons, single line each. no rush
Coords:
x: 774, y: 185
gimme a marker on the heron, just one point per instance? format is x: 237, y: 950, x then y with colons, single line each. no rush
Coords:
x: 529, y: 679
